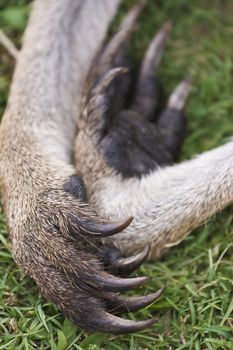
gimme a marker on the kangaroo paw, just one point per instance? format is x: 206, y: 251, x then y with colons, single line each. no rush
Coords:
x: 66, y: 258
x: 137, y: 139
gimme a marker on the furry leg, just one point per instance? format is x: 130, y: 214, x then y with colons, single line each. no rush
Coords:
x: 166, y: 204
x: 55, y: 234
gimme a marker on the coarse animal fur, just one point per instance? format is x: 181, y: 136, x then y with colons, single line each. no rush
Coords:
x: 51, y: 225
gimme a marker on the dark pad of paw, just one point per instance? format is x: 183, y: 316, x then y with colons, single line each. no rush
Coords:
x: 133, y: 146
x: 124, y: 156
x: 76, y: 187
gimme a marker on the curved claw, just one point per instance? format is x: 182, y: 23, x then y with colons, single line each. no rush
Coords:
x: 98, y: 104
x: 105, y: 229
x: 112, y: 324
x: 154, y: 53
x: 147, y: 93
x: 125, y: 266
x: 110, y: 283
x: 123, y: 304
x: 108, y: 77
x: 95, y: 228
x: 82, y: 306
x: 180, y: 94
x: 118, y: 41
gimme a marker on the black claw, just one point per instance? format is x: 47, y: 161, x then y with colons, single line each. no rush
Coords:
x: 148, y: 91
x: 103, y: 84
x: 84, y: 303
x: 95, y: 228
x: 126, y: 266
x: 105, y: 229
x: 154, y: 52
x: 116, y: 47
x: 97, y: 104
x: 112, y: 324
x: 115, y: 54
x: 122, y: 304
x: 110, y: 283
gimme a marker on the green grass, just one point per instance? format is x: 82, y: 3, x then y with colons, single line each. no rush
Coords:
x: 196, y: 311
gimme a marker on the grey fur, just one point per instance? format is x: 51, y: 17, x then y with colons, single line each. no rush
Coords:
x: 36, y: 142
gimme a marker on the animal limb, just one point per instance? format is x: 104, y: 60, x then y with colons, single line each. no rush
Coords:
x: 166, y: 201
x: 54, y: 232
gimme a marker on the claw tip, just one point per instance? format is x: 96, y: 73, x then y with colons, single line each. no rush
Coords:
x: 180, y: 94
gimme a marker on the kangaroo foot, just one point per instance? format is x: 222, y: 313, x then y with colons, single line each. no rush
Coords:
x: 59, y: 246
